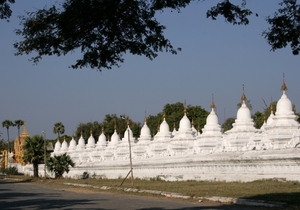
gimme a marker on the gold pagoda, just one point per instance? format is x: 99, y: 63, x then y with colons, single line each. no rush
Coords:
x: 18, y: 146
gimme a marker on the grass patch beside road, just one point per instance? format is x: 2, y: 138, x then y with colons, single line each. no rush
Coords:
x: 271, y: 190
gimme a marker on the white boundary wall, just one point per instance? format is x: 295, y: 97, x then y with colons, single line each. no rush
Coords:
x: 233, y: 166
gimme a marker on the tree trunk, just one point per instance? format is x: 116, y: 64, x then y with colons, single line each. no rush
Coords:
x: 8, y: 140
x: 36, y: 170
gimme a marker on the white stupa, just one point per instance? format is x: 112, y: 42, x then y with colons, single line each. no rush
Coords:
x: 159, y: 145
x: 164, y: 134
x: 81, y: 143
x: 243, y: 128
x: 57, y: 146
x: 284, y: 126
x: 91, y: 141
x: 123, y: 147
x: 140, y: 150
x: 270, y: 118
x: 101, y: 143
x: 183, y: 141
x: 72, y: 145
x: 64, y: 146
x: 211, y: 137
x: 110, y: 150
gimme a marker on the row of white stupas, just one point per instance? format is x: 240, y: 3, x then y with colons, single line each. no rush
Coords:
x: 279, y: 131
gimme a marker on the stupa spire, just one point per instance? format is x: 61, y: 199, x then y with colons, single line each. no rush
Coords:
x: 184, y: 111
x: 243, y: 95
x: 24, y: 132
x: 271, y: 108
x: 212, y: 103
x: 283, y: 86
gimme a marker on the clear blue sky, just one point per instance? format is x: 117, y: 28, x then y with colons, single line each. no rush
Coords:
x: 216, y: 58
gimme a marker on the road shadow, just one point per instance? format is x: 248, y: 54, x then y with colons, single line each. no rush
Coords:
x: 292, y: 198
x: 30, y: 200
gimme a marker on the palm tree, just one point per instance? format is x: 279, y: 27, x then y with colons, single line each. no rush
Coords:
x: 34, y: 152
x: 6, y: 124
x: 60, y: 164
x: 58, y: 129
x: 19, y: 123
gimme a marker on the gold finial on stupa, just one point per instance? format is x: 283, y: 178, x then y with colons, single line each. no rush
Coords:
x: 145, y: 118
x: 184, y: 111
x: 283, y: 86
x: 199, y: 128
x: 164, y: 115
x: 271, y: 108
x: 212, y: 103
x: 243, y: 95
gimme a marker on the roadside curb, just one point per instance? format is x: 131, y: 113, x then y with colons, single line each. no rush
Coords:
x: 237, y: 201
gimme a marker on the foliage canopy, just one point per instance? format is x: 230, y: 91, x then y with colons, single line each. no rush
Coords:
x: 59, y: 164
x: 58, y: 129
x: 105, y: 30
x: 5, y: 11
x: 34, y: 152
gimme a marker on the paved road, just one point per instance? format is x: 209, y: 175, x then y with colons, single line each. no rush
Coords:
x: 19, y: 196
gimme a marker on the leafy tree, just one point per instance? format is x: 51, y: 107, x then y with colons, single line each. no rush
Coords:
x: 174, y: 113
x: 109, y: 123
x: 285, y: 29
x: 5, y: 11
x: 58, y: 129
x: 268, y: 109
x: 6, y: 124
x: 3, y: 145
x: 105, y: 30
x: 85, y: 129
x: 198, y: 115
x: 227, y: 125
x: 19, y: 123
x: 258, y: 118
x: 34, y: 152
x: 60, y: 164
x: 154, y: 121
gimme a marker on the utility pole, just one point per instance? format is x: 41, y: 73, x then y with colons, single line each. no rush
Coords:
x: 130, y: 157
x: 45, y: 158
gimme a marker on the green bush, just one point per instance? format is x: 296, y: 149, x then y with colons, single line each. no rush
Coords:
x: 9, y: 171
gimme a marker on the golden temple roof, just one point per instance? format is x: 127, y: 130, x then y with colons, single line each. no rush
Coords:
x: 24, y: 132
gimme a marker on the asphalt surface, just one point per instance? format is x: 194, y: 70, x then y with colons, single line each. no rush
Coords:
x: 18, y: 195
